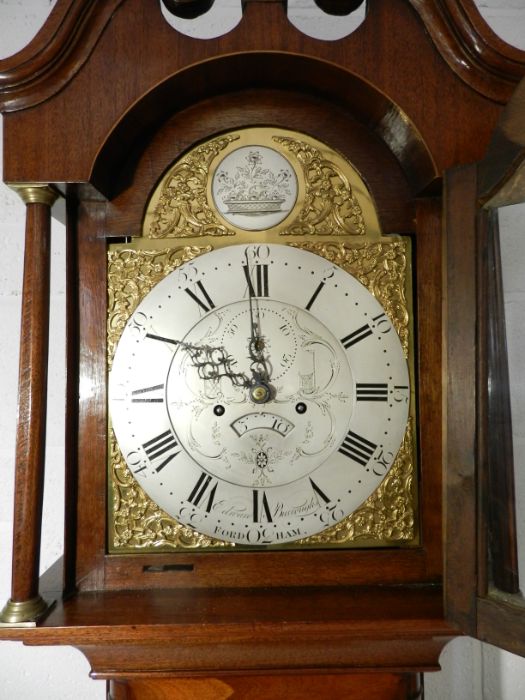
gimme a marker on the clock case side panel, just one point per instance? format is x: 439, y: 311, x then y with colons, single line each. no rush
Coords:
x: 85, y: 390
x: 482, y: 587
x: 395, y: 198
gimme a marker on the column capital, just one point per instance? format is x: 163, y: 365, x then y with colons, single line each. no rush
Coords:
x: 35, y: 193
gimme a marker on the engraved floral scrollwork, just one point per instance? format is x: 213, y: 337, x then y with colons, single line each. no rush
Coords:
x: 131, y: 275
x: 381, y: 267
x: 137, y: 523
x: 330, y: 206
x: 181, y: 207
x: 387, y: 515
x: 183, y: 210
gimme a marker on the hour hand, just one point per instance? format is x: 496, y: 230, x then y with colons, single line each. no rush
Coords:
x: 215, y: 363
x: 212, y: 363
x: 260, y: 366
x: 260, y: 389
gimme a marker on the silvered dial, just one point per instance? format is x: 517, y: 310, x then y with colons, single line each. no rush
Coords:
x: 259, y: 394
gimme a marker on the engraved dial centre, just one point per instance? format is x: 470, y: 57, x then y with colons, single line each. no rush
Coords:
x: 261, y: 439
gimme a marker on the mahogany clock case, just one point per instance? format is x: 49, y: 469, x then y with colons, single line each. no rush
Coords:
x: 380, y: 109
x: 395, y: 206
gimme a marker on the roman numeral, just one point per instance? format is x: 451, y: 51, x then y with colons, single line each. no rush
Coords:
x: 371, y: 392
x: 314, y: 296
x: 319, y: 492
x: 203, y: 483
x: 261, y: 288
x: 356, y: 336
x: 146, y: 395
x: 163, y: 445
x: 260, y: 501
x: 201, y: 297
x: 357, y: 448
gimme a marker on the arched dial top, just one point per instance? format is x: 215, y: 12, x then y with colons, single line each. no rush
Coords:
x: 259, y: 394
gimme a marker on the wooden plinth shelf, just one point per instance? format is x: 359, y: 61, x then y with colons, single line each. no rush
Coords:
x: 168, y: 632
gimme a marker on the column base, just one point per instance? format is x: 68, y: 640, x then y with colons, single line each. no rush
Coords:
x: 25, y: 613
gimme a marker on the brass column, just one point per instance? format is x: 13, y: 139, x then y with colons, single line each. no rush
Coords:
x: 26, y: 605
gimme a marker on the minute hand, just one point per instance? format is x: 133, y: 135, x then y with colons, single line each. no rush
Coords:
x: 259, y: 365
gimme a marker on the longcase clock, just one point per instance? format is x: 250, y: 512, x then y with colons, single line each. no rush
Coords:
x: 286, y: 366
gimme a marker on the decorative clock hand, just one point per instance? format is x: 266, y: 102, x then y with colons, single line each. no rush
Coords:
x: 313, y: 395
x: 260, y: 388
x: 214, y: 363
x: 210, y: 362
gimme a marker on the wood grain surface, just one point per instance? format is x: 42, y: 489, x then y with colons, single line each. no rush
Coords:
x: 104, y: 98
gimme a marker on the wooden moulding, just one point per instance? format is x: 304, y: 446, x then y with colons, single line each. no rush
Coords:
x: 336, y: 105
x: 459, y: 409
x: 263, y: 50
x: 470, y: 47
x: 132, y: 634
x: 56, y: 54
x: 502, y: 171
x: 64, y: 44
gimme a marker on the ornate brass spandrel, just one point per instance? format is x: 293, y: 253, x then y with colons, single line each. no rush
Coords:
x: 180, y: 203
x: 388, y: 517
x: 330, y: 207
x: 332, y: 198
x: 382, y: 268
x: 138, y: 523
x: 131, y: 275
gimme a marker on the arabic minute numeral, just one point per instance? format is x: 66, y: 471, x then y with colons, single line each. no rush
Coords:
x: 400, y: 394
x: 137, y: 325
x: 382, y: 323
x: 382, y: 462
x: 136, y: 462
